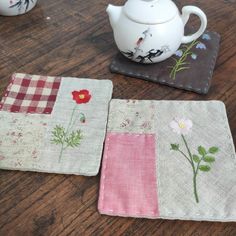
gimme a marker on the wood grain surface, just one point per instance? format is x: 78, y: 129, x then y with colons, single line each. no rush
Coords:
x: 74, y: 38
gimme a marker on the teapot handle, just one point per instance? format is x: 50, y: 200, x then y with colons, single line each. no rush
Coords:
x: 186, y: 11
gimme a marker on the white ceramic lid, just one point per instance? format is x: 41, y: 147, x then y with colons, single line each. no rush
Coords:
x: 150, y: 11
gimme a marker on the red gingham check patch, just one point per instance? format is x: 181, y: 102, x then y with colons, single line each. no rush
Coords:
x: 30, y: 94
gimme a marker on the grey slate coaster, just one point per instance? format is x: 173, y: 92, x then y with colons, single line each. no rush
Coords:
x: 195, y: 74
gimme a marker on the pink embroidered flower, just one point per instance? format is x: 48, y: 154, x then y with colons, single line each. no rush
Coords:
x: 2, y: 158
x: 181, y: 125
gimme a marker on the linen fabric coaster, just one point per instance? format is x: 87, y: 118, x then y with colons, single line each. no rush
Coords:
x: 191, y: 67
x: 170, y: 160
x: 53, y: 124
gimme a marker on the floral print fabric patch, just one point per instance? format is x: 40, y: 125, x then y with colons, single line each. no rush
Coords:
x: 68, y: 138
x: 194, y: 160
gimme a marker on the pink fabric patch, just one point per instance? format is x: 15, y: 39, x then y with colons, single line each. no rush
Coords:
x: 128, y: 182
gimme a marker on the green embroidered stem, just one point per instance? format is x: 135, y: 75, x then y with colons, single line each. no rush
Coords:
x: 195, y: 187
x: 61, y: 151
x: 191, y: 162
x: 189, y: 153
x: 193, y: 168
x: 64, y: 138
x: 198, y: 164
x: 71, y: 118
x: 182, y: 60
x: 185, y: 156
x: 195, y: 180
x: 200, y: 161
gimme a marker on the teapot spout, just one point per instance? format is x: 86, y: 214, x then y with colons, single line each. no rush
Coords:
x: 114, y: 13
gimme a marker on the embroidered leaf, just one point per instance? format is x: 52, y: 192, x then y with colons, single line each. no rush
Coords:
x: 204, y: 168
x: 174, y: 146
x: 201, y: 150
x: 196, y: 158
x: 74, y: 139
x: 58, y: 134
x: 213, y: 150
x: 209, y: 159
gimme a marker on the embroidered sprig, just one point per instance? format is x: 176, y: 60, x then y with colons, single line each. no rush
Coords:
x: 182, y: 54
x: 181, y: 64
x: 71, y: 140
x: 69, y: 137
x: 198, y: 162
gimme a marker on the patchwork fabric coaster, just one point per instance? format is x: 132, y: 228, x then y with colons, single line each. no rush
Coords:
x: 53, y: 124
x: 170, y: 160
x: 191, y: 67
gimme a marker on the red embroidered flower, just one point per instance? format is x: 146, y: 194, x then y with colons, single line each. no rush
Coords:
x: 81, y: 96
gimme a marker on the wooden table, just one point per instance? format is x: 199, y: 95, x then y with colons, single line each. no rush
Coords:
x: 74, y: 38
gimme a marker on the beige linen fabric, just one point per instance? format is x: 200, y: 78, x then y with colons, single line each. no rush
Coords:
x: 217, y: 187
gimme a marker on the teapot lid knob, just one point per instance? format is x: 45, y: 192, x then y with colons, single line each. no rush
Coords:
x: 150, y: 11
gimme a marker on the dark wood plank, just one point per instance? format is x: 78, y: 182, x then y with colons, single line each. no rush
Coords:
x: 78, y: 41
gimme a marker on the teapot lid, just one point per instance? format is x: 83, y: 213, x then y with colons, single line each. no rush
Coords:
x: 150, y: 11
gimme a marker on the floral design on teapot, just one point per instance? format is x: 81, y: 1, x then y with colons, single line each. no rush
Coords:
x: 16, y: 7
x: 138, y: 53
x: 20, y: 4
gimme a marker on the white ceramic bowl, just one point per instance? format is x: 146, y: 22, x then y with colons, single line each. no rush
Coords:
x: 16, y: 7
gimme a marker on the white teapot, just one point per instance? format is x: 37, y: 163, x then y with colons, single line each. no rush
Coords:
x: 16, y: 7
x: 149, y: 31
